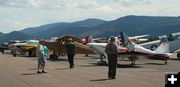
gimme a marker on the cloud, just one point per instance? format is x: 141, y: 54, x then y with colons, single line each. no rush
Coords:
x: 20, y: 3
x: 49, y: 4
x: 5, y: 10
x: 131, y: 2
x: 12, y: 25
x: 27, y: 13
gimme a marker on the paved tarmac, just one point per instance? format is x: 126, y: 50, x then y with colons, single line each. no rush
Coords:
x: 21, y: 72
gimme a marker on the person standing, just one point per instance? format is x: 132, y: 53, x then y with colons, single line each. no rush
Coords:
x: 112, y: 52
x: 71, y: 51
x: 40, y: 52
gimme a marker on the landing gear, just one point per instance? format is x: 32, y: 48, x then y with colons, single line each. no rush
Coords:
x: 53, y: 57
x: 102, y: 60
x: 178, y: 55
x: 14, y: 53
x: 2, y: 51
x: 133, y: 62
x: 166, y: 62
x: 86, y: 55
x: 30, y: 54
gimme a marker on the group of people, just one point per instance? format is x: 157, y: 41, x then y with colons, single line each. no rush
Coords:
x: 111, y: 50
x: 42, y: 54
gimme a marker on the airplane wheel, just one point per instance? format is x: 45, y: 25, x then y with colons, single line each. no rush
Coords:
x: 2, y: 51
x: 30, y: 54
x: 101, y: 62
x: 178, y: 55
x: 14, y: 55
x: 166, y: 62
x: 133, y: 62
x: 53, y: 57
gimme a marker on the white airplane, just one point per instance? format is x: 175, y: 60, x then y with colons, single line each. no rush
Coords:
x: 139, y: 39
x: 160, y: 53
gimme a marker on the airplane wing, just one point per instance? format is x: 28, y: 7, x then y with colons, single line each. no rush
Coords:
x: 149, y: 45
x: 140, y: 36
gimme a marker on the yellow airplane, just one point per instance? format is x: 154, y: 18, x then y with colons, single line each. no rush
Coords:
x: 24, y: 47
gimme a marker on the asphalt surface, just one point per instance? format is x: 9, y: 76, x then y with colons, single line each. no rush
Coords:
x: 21, y: 72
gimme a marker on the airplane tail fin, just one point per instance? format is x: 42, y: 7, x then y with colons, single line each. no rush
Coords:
x: 88, y: 39
x: 163, y: 46
x: 123, y: 39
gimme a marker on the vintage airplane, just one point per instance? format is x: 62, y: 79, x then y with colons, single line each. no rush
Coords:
x: 58, y: 47
x: 161, y: 52
x: 23, y: 47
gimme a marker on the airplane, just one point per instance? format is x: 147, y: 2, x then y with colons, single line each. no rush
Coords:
x: 140, y: 39
x: 5, y: 45
x: 23, y: 47
x: 58, y: 48
x: 137, y: 39
x: 160, y: 53
x: 173, y: 40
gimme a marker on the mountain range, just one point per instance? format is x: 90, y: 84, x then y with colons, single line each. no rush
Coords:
x: 62, y: 28
x: 15, y: 35
x: 1, y: 34
x: 132, y: 25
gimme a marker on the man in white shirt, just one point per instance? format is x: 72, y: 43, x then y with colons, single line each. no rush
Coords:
x: 40, y: 54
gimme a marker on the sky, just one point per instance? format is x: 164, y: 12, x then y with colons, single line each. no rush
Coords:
x: 16, y: 15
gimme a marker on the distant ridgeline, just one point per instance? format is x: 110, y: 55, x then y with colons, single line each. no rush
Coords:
x: 131, y: 25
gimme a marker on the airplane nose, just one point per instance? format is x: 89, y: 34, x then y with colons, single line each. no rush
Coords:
x: 90, y: 44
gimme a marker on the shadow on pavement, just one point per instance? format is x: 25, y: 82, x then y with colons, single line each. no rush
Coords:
x: 29, y: 74
x: 95, y: 80
x: 127, y: 66
x: 61, y: 68
x: 156, y: 64
x: 55, y: 60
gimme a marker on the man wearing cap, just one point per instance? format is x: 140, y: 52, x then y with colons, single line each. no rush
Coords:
x: 71, y: 51
x: 112, y: 52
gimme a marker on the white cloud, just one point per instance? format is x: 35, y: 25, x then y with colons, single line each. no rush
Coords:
x: 7, y: 11
x: 105, y: 8
x: 13, y: 25
x: 20, y: 3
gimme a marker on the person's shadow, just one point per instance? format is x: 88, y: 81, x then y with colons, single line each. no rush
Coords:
x: 95, y: 80
x: 30, y: 73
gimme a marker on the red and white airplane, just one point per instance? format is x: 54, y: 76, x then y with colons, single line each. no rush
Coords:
x: 160, y: 53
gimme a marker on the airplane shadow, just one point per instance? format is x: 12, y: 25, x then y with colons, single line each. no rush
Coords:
x: 92, y: 65
x: 87, y: 65
x: 95, y: 80
x: 155, y: 64
x: 54, y: 60
x: 127, y: 66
